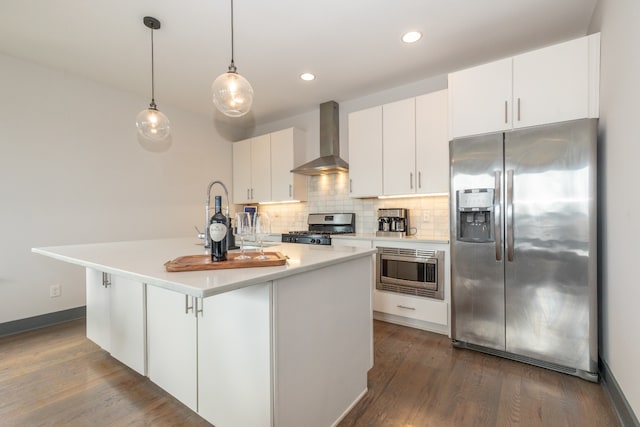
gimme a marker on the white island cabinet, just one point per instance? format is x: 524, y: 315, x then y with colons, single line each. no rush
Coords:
x: 270, y: 346
x: 115, y: 317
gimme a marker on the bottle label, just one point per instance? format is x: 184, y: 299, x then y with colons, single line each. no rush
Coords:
x: 217, y: 231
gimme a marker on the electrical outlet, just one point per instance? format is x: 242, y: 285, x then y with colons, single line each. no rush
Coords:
x: 426, y: 216
x: 54, y: 291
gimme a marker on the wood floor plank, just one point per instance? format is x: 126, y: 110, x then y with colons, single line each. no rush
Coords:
x: 57, y: 377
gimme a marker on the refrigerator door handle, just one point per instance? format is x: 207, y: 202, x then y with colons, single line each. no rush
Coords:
x: 509, y: 206
x: 497, y: 210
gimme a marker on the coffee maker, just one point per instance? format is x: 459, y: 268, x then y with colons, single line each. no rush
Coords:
x: 393, y: 222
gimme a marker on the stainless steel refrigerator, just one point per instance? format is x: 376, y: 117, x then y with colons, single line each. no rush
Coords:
x: 523, y: 245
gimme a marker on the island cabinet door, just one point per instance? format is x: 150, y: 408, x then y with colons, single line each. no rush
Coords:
x: 171, y: 343
x: 234, y: 358
x: 98, y: 310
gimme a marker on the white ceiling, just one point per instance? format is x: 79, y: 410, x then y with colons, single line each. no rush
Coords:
x: 353, y: 46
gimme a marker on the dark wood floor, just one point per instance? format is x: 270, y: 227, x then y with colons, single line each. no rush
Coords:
x: 55, y: 376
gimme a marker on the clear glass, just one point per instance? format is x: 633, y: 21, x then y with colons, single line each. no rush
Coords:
x: 262, y: 229
x: 153, y: 125
x: 232, y: 94
x: 243, y: 229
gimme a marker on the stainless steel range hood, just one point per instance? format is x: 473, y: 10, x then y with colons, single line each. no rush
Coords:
x: 329, y: 160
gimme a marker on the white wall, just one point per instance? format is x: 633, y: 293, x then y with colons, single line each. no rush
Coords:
x: 619, y: 202
x: 72, y: 171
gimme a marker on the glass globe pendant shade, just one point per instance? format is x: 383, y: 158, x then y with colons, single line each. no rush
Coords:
x: 232, y: 94
x: 152, y: 124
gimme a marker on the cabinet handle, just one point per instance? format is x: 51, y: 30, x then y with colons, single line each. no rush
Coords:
x: 411, y: 180
x: 350, y: 185
x: 419, y: 179
x: 505, y: 112
x: 251, y: 193
x: 518, y: 109
x: 290, y: 190
x: 105, y: 280
x: 405, y: 307
x: 248, y: 194
x: 197, y: 310
x: 186, y: 304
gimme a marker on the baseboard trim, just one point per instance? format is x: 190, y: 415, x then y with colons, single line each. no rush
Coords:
x: 36, y: 322
x: 620, y: 404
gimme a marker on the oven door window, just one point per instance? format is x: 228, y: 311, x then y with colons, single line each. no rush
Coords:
x: 411, y: 271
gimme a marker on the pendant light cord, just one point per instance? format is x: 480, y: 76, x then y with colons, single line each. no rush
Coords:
x: 153, y: 100
x: 232, y: 67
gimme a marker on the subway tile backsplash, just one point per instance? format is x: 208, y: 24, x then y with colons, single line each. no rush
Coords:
x: 428, y: 216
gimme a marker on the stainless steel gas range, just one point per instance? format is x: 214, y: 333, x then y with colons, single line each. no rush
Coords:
x: 321, y: 227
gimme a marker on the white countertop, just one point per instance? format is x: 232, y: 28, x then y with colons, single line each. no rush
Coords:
x: 372, y: 236
x: 144, y: 260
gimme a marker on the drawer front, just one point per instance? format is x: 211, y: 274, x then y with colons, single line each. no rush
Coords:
x: 407, y: 306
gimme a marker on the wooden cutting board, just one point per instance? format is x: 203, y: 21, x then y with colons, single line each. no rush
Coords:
x: 203, y: 262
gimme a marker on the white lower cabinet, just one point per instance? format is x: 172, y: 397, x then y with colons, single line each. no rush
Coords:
x: 172, y: 347
x: 234, y: 358
x: 116, y: 317
x: 423, y: 309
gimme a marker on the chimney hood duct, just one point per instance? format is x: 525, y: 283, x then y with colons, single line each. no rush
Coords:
x: 329, y: 160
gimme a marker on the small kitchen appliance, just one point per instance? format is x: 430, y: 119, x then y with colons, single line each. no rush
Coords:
x: 321, y: 227
x: 393, y: 222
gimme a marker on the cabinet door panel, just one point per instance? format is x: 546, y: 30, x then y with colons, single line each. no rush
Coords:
x: 281, y: 164
x: 477, y: 98
x: 235, y: 359
x: 551, y: 84
x: 241, y: 171
x: 261, y: 169
x: 128, y: 323
x: 432, y: 144
x: 365, y: 152
x: 171, y: 342
x: 398, y: 147
x: 98, y: 312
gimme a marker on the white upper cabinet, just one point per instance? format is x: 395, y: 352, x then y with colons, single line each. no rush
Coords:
x: 432, y: 143
x: 287, y: 152
x: 252, y: 170
x: 262, y: 168
x: 365, y: 152
x: 548, y: 85
x: 554, y: 84
x: 480, y: 99
x: 399, y: 147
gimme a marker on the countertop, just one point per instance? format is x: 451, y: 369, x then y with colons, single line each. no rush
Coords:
x: 144, y: 260
x: 372, y: 236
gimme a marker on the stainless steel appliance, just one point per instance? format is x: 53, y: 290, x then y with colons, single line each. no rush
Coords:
x: 411, y: 271
x: 523, y: 245
x: 321, y: 227
x: 393, y: 222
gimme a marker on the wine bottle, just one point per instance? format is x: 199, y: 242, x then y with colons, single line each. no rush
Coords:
x: 218, y: 233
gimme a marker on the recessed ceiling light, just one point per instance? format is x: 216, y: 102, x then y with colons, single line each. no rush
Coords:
x: 307, y: 77
x: 411, y: 36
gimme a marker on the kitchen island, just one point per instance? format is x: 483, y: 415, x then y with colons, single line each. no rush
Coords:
x: 286, y: 345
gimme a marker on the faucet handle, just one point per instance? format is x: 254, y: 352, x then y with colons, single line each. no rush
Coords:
x: 200, y: 233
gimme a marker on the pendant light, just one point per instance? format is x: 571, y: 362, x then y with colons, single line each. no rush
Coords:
x: 232, y: 93
x: 151, y: 123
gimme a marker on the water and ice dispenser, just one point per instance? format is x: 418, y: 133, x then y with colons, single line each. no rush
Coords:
x: 475, y: 215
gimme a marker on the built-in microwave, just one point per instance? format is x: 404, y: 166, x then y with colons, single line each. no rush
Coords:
x: 410, y: 271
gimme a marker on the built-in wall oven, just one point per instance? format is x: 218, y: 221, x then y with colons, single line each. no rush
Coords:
x: 411, y: 271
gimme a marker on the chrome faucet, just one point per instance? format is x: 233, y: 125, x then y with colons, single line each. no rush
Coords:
x: 207, y: 215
